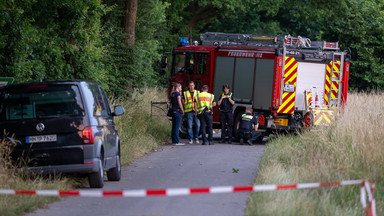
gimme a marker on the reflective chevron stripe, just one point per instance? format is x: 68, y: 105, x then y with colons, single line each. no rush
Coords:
x: 335, y: 84
x: 290, y: 75
x: 323, y: 117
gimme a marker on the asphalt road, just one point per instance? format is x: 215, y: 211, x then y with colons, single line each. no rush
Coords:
x: 186, y: 166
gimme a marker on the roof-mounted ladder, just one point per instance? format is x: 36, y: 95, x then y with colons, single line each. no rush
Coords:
x: 249, y: 40
x: 336, y: 76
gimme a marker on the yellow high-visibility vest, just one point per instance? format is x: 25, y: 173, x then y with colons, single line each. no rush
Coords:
x: 247, y: 116
x: 204, y: 100
x: 230, y: 95
x: 189, y: 100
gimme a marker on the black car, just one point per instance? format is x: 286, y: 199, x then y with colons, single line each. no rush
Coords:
x: 62, y: 127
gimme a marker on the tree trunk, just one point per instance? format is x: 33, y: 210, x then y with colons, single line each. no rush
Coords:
x: 130, y: 22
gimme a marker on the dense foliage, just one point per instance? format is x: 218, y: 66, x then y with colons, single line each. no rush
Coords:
x: 51, y: 40
x: 67, y: 39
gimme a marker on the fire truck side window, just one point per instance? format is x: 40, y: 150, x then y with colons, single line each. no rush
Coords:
x: 201, y: 63
x: 190, y: 63
x: 179, y: 64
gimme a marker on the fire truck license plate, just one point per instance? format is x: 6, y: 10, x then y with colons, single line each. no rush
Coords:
x: 289, y: 88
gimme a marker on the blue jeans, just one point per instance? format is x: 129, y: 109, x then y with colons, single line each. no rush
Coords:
x: 176, y: 121
x: 193, y: 132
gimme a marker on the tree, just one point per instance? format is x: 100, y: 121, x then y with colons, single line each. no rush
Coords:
x: 133, y: 66
x: 130, y: 21
x: 357, y: 24
x: 51, y: 40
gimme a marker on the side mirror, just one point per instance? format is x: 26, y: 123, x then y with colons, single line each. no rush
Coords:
x: 164, y: 64
x: 119, y: 110
x: 164, y: 61
x: 104, y: 113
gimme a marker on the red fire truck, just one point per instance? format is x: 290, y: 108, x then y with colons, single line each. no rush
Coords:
x: 278, y: 76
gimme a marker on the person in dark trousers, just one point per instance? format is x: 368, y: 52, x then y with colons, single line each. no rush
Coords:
x: 248, y: 124
x: 191, y: 112
x: 204, y: 105
x: 177, y: 114
x: 226, y: 102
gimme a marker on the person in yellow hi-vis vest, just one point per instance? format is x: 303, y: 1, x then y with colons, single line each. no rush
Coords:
x: 191, y: 112
x: 204, y: 105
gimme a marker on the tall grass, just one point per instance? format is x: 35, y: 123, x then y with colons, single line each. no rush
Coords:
x: 138, y: 132
x: 349, y: 149
x: 10, y: 179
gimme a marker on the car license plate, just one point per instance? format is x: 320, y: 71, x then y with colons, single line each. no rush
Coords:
x: 41, y: 138
x: 289, y: 88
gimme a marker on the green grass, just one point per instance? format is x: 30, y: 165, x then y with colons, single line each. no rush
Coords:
x: 349, y: 149
x: 139, y: 133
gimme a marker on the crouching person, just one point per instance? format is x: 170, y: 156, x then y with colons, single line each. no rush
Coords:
x: 248, y: 127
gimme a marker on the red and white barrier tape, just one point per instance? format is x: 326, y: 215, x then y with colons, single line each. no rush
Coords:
x: 365, y: 188
x: 176, y: 191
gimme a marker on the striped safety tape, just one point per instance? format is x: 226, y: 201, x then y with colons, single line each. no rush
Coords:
x: 177, y: 191
x: 365, y: 189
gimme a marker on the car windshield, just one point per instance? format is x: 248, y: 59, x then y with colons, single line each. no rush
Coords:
x: 41, y: 101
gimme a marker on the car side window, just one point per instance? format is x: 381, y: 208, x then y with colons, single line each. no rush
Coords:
x: 106, y: 103
x: 99, y: 108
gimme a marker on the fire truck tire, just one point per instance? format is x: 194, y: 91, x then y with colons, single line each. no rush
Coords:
x: 308, y: 120
x: 183, y: 131
x: 236, y: 122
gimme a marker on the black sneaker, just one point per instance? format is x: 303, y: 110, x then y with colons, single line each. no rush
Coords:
x: 203, y: 143
x: 249, y: 142
x: 222, y: 141
x: 241, y: 141
x: 265, y: 139
x: 230, y: 142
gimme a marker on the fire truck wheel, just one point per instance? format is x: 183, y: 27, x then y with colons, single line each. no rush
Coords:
x: 308, y: 120
x: 236, y: 123
x: 183, y: 132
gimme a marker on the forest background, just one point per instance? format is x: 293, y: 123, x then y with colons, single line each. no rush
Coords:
x: 120, y: 42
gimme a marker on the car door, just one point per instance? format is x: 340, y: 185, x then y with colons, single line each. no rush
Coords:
x: 110, y: 131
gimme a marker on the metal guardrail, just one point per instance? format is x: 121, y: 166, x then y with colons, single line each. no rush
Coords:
x: 158, y: 106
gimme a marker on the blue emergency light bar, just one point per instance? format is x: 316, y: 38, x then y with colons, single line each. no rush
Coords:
x: 183, y: 41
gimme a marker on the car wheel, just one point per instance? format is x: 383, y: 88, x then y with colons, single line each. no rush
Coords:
x: 96, y: 179
x: 114, y: 174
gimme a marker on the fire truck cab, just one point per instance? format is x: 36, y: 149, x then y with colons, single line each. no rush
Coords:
x: 278, y: 76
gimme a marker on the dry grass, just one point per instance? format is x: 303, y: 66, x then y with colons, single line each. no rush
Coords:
x: 140, y: 132
x: 9, y: 179
x: 349, y: 149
